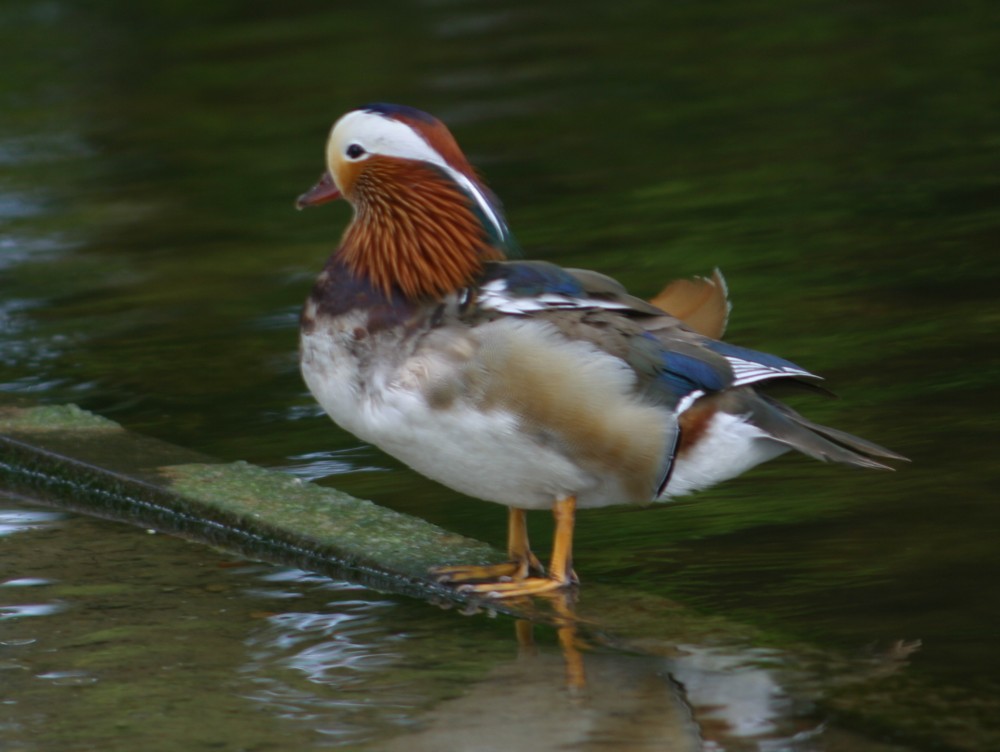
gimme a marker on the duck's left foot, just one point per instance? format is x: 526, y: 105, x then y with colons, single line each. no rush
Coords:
x: 504, y: 572
x: 515, y: 579
x: 516, y: 569
x: 517, y: 588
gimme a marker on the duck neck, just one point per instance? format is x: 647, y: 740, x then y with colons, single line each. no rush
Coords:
x: 424, y: 238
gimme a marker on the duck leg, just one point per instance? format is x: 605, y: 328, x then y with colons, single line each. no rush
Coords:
x: 560, y: 574
x: 521, y: 563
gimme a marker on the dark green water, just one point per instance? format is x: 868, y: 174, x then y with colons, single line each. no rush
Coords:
x: 840, y: 163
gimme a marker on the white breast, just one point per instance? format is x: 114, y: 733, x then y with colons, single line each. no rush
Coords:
x: 510, y: 411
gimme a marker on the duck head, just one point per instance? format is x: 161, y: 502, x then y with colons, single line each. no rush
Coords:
x: 424, y: 223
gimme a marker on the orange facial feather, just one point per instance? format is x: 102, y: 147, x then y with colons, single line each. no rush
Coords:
x: 413, y: 229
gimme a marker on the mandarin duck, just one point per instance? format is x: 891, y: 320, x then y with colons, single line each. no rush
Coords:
x: 520, y: 382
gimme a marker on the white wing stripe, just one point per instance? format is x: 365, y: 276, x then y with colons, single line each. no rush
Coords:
x: 748, y: 372
x: 688, y: 400
x: 494, y: 297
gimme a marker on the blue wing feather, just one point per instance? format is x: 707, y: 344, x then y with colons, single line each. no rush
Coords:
x: 670, y: 372
x: 686, y: 374
x: 676, y: 368
x: 529, y: 279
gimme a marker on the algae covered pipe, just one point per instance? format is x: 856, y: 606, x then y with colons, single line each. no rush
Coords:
x: 69, y: 457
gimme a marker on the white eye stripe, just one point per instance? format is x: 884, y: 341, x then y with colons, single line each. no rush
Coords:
x: 377, y: 134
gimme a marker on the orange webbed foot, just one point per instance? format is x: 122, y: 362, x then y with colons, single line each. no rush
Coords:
x: 507, y: 571
x: 514, y: 579
x: 516, y: 588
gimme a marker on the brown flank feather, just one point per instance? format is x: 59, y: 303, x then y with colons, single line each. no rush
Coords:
x: 413, y: 229
x: 694, y: 422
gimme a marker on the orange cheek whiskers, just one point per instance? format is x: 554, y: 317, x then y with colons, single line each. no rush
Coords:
x: 414, y: 230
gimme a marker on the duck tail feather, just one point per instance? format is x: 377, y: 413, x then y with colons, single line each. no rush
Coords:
x: 827, y: 444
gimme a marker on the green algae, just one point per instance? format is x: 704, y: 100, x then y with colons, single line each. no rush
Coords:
x: 52, y: 418
x: 356, y: 531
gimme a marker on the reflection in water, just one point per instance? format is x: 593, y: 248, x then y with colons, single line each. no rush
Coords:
x: 29, y: 609
x: 744, y: 697
x: 338, y: 670
x: 316, y: 465
x: 295, y: 656
x: 685, y: 696
x: 736, y: 695
x: 13, y: 521
x: 21, y: 520
x: 68, y: 678
x: 629, y: 703
x: 318, y: 667
x: 24, y: 582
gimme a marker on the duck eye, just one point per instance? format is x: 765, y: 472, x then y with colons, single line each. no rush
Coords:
x: 355, y: 151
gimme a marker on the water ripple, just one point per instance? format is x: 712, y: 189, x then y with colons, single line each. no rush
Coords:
x: 20, y: 520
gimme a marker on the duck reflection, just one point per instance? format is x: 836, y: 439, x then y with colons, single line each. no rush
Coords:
x: 569, y: 696
x: 392, y: 675
x: 582, y: 696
